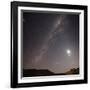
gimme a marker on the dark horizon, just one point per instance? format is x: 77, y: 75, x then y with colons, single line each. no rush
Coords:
x: 46, y: 72
x: 50, y: 41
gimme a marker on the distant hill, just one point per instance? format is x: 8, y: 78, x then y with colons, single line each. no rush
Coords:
x: 35, y: 72
x: 46, y: 72
x: 73, y: 71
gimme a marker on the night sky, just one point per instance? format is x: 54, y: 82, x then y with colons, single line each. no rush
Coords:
x: 50, y: 41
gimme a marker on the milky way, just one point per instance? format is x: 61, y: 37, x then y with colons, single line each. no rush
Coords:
x: 46, y: 39
x: 49, y: 38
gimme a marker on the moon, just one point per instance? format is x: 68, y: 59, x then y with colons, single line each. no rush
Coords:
x: 68, y: 51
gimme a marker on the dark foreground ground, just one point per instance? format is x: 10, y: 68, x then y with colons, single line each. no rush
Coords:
x: 45, y: 72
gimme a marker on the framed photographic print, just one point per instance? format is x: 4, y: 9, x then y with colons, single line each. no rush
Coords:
x: 48, y: 44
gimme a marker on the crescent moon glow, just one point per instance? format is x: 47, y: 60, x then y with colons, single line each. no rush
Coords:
x: 68, y: 51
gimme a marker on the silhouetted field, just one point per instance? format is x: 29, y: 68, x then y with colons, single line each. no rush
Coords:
x: 45, y: 72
